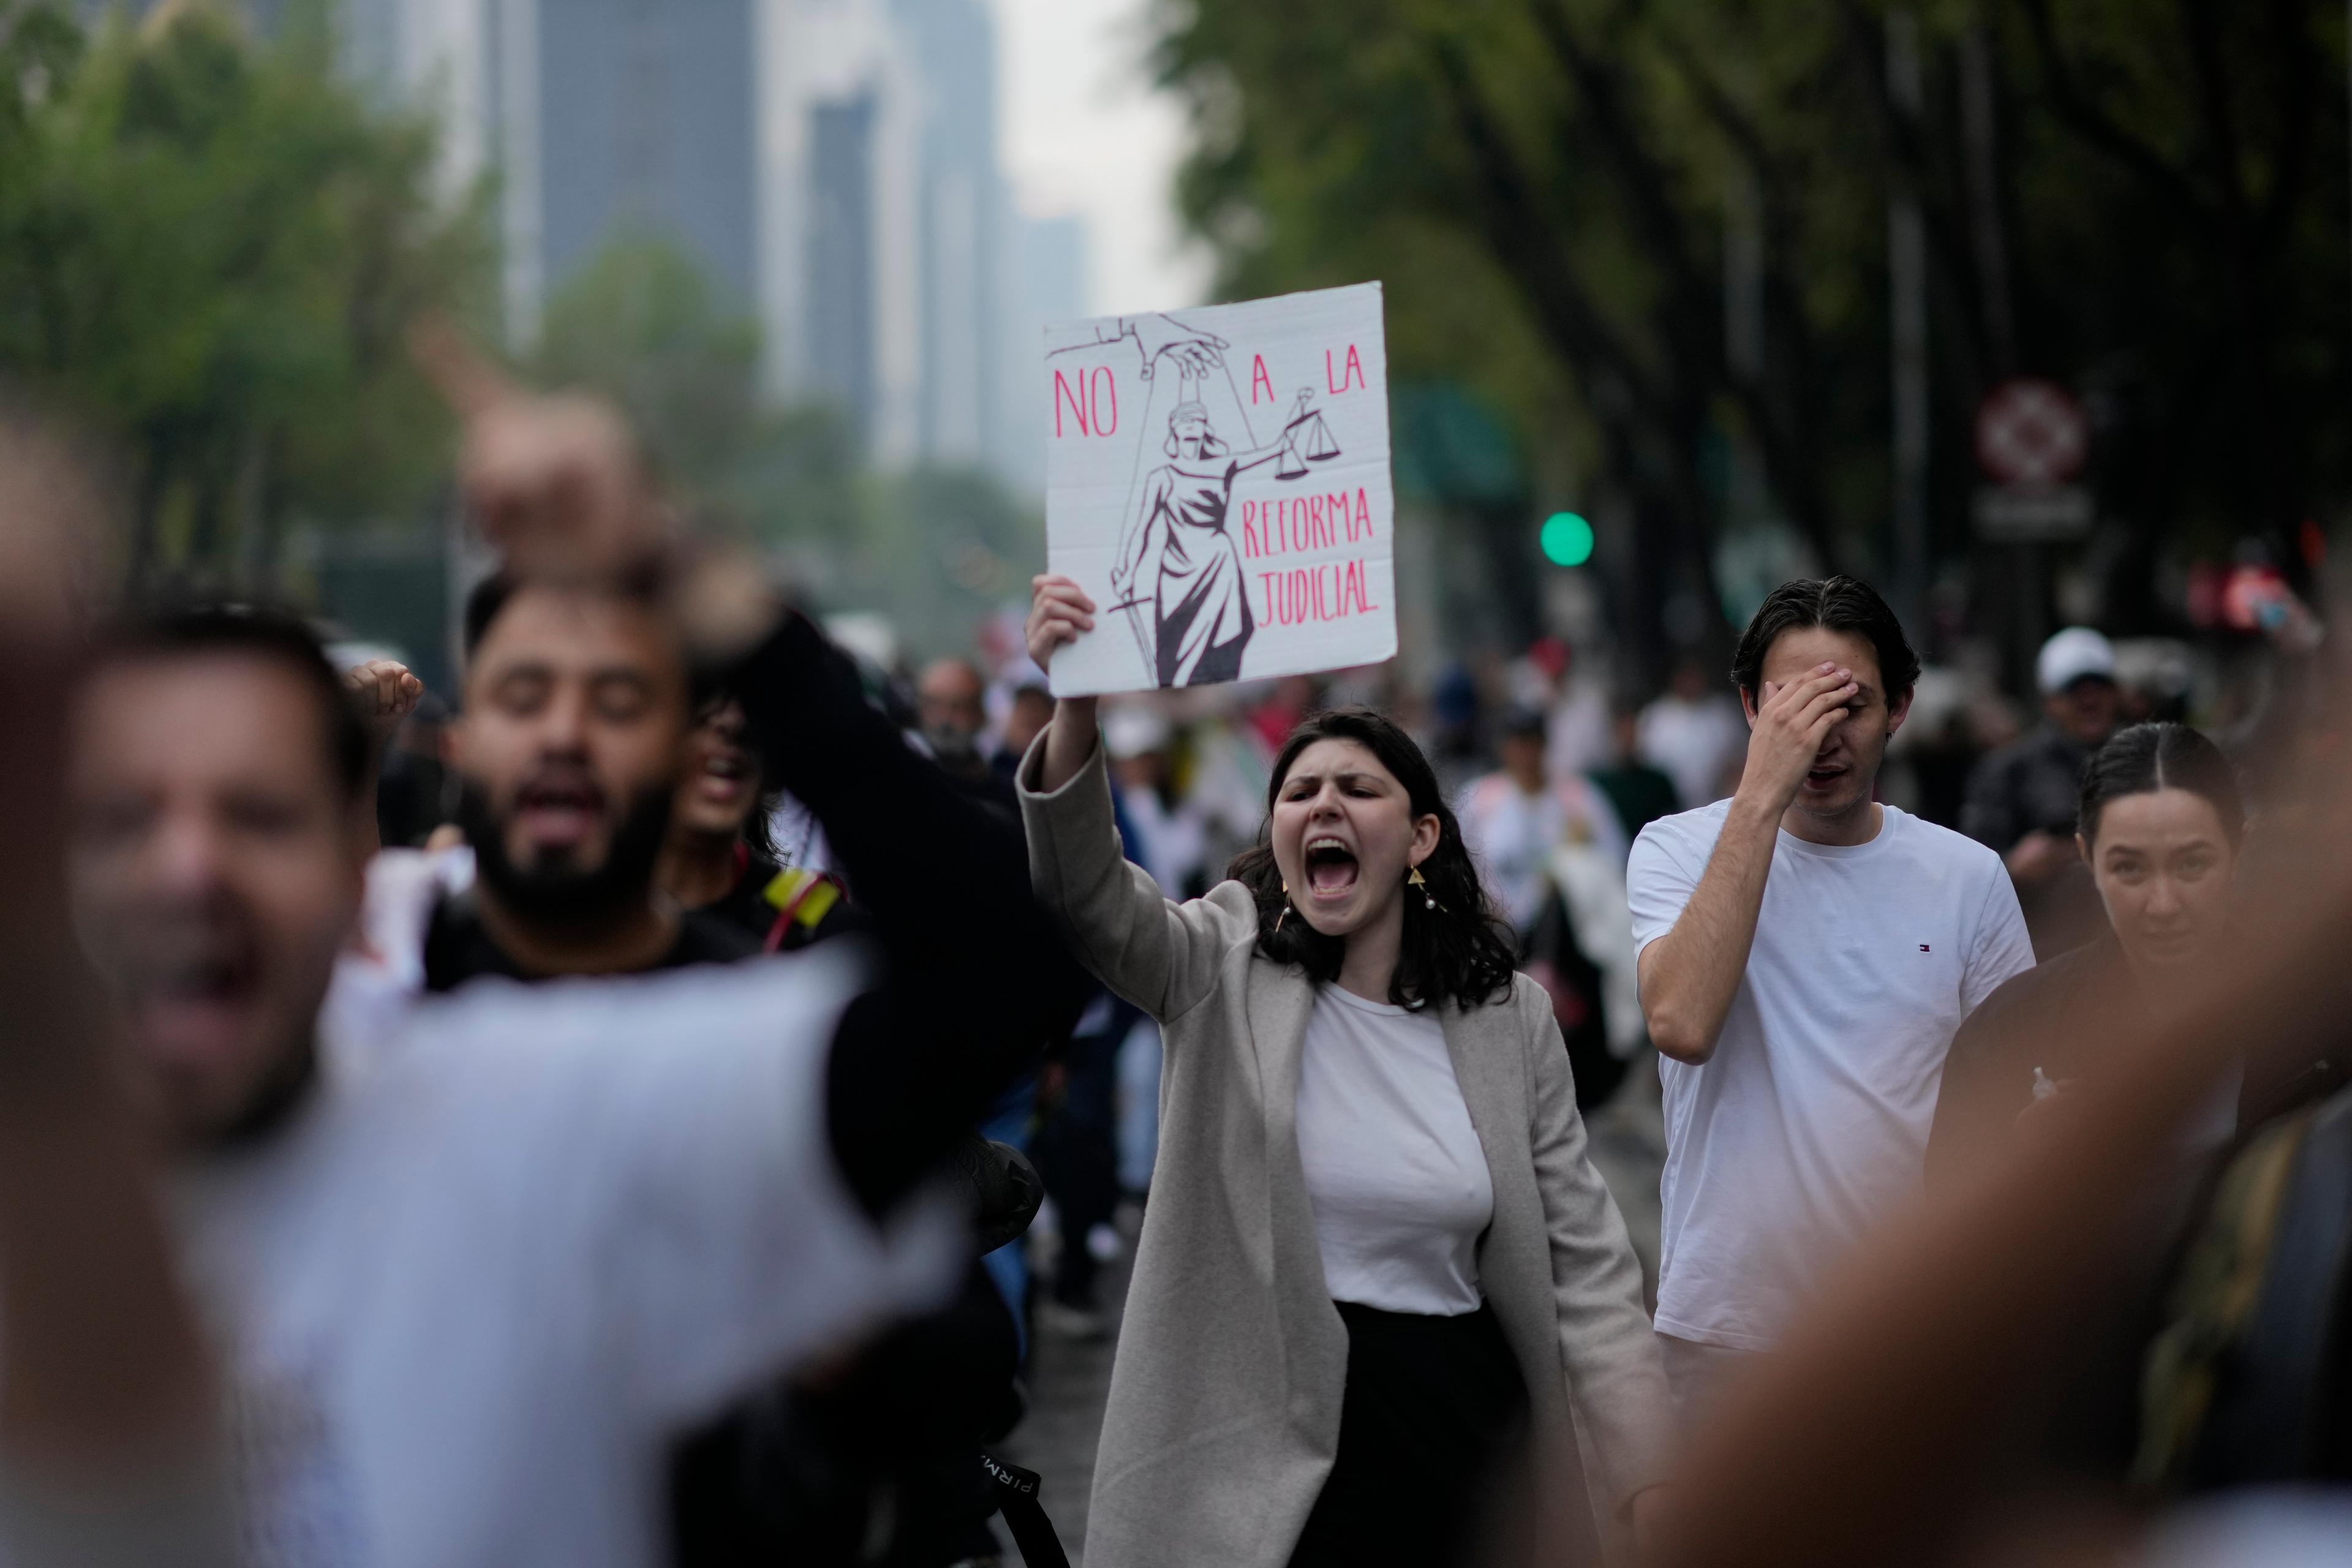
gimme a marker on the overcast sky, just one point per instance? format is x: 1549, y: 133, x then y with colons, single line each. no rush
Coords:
x: 1084, y: 132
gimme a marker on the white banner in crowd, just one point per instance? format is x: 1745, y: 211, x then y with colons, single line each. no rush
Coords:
x: 1218, y: 480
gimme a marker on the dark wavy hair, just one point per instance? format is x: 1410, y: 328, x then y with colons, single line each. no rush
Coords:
x: 759, y: 830
x: 2149, y: 757
x: 1839, y: 605
x: 1453, y: 953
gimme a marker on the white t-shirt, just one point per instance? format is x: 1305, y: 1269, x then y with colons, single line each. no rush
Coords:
x: 1810, y: 1120
x: 1394, y: 1170
x: 1576, y: 736
x: 499, y: 1259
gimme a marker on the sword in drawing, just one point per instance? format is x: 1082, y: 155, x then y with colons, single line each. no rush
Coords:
x: 1135, y: 608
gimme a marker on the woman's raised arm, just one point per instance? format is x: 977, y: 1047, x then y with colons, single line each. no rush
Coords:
x: 1158, y: 955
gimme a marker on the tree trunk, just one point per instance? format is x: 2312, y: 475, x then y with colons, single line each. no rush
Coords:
x: 146, y: 511
x: 250, y: 492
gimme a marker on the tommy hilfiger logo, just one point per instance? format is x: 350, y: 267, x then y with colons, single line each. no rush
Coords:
x: 1923, y: 947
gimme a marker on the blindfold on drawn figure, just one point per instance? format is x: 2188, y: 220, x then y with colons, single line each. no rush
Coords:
x: 1200, y: 607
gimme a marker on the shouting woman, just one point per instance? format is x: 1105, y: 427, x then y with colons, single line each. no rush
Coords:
x: 1377, y: 1267
x: 720, y: 856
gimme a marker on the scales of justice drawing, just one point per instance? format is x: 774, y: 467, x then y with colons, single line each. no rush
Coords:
x: 1226, y: 529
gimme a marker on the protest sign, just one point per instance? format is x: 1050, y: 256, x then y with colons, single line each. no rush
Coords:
x: 1218, y: 480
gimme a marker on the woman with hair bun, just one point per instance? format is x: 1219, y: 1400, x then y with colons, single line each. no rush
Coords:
x: 1377, y: 1269
x: 2161, y: 824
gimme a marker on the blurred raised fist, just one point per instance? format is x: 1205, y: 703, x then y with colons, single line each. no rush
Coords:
x: 387, y: 693
x: 56, y: 532
x: 555, y: 481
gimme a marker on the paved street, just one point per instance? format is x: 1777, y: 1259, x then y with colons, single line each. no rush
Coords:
x: 1070, y: 1379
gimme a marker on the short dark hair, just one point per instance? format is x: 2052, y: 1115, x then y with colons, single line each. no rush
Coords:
x: 1523, y: 724
x: 1456, y: 951
x: 2146, y: 758
x: 1834, y: 603
x: 484, y: 603
x: 201, y: 629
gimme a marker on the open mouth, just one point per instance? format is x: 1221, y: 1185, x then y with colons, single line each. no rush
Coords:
x: 1330, y: 868
x: 197, y: 1001
x: 724, y: 777
x: 559, y: 811
x: 1823, y: 777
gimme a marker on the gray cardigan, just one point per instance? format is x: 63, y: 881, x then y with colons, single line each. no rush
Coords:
x: 1225, y: 1391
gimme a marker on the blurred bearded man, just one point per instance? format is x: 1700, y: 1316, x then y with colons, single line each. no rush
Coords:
x: 568, y: 753
x: 577, y: 731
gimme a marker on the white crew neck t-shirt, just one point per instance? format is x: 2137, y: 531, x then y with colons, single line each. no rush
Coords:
x: 501, y: 1258
x: 1810, y: 1123
x: 1394, y: 1170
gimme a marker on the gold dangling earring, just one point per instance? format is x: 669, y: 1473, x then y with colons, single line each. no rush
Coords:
x: 1285, y: 907
x: 1417, y: 881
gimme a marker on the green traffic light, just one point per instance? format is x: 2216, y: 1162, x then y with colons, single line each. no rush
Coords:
x: 1567, y: 540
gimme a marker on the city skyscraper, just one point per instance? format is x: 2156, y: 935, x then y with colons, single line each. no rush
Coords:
x: 646, y: 122
x: 832, y: 164
x: 1050, y: 286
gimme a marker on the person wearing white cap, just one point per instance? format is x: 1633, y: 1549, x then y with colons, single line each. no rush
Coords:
x: 2022, y: 799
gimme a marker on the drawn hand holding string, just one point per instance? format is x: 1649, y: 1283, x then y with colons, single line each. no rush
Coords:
x: 1196, y: 354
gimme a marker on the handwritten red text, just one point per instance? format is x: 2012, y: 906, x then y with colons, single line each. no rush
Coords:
x: 1327, y: 593
x: 1306, y: 522
x: 1351, y: 370
x: 1092, y: 402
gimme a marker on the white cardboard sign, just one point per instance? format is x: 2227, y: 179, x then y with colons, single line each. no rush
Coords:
x: 1218, y: 481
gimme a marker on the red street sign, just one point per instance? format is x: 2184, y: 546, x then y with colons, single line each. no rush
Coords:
x: 2032, y: 432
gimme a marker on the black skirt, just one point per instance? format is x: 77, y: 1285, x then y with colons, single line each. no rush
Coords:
x: 1435, y: 1417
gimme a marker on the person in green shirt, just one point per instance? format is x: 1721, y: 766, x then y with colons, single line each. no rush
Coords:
x: 1639, y: 793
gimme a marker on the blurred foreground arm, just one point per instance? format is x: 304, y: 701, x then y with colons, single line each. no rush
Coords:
x: 974, y: 978
x: 108, y: 1450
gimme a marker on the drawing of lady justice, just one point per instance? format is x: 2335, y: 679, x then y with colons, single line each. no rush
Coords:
x: 1201, y: 611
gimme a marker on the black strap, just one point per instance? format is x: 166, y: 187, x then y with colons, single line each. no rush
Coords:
x: 1016, y: 1499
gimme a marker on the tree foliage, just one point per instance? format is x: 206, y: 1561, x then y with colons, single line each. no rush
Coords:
x: 210, y: 247
x: 1656, y: 232
x: 642, y: 323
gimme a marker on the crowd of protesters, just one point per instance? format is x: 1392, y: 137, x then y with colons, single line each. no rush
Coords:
x: 599, y: 1114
